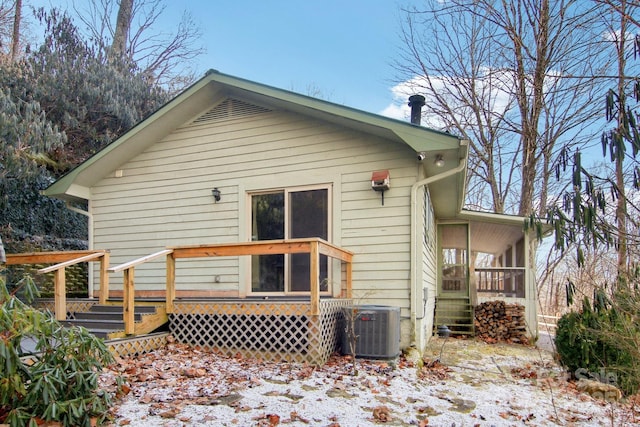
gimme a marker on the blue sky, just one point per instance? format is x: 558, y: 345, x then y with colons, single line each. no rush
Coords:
x: 344, y: 50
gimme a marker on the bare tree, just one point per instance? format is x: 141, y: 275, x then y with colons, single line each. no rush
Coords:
x: 622, y: 24
x: 138, y: 37
x: 123, y: 25
x: 512, y: 78
x: 6, y: 27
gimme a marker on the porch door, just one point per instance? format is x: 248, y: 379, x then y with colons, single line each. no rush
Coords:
x: 288, y: 214
x: 453, y: 259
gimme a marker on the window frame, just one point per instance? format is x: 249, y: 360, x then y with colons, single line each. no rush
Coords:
x: 287, y: 232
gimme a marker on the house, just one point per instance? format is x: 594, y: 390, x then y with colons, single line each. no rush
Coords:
x: 231, y: 174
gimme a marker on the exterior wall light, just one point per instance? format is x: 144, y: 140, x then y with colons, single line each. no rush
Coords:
x: 216, y: 194
x: 439, y: 161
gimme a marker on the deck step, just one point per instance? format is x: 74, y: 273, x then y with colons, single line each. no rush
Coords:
x: 106, y: 320
x: 104, y: 315
x: 101, y: 333
x: 91, y: 324
x: 118, y: 308
x: 456, y: 313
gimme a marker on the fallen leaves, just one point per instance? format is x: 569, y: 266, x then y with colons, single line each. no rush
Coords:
x: 434, y: 370
x: 267, y: 420
x: 171, y: 413
x: 525, y: 372
x: 194, y: 372
x: 180, y: 385
x: 382, y: 414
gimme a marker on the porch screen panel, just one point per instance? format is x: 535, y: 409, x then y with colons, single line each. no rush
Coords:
x: 520, y: 262
x: 309, y: 217
x: 267, y: 223
x: 454, y: 257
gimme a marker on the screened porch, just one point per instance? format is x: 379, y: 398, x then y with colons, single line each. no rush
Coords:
x: 483, y: 260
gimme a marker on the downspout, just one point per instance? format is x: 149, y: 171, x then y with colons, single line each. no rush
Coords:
x: 414, y: 241
x: 89, y: 215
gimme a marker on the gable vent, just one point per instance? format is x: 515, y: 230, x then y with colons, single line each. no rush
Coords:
x: 230, y: 109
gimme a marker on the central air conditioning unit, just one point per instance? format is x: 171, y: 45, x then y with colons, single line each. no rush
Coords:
x: 375, y: 330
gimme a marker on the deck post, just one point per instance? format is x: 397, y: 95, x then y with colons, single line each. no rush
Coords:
x: 171, y: 282
x: 60, y: 294
x: 314, y: 285
x: 349, y: 272
x: 104, y: 279
x: 128, y: 310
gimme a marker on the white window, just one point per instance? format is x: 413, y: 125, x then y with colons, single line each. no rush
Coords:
x: 288, y: 213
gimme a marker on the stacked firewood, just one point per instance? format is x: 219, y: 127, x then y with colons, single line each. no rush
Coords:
x: 498, y: 321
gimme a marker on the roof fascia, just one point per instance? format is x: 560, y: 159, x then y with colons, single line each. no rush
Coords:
x: 496, y: 218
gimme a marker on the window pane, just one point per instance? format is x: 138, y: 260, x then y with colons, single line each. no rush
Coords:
x: 309, y: 218
x: 267, y: 273
x: 267, y: 220
x: 309, y: 214
x: 267, y: 223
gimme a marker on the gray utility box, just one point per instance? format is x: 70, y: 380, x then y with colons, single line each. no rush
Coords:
x: 375, y: 328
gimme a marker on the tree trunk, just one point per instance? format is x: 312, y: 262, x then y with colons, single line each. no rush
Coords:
x: 15, y: 38
x: 123, y: 24
x: 531, y: 113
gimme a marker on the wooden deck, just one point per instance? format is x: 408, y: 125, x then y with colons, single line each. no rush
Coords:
x: 301, y: 329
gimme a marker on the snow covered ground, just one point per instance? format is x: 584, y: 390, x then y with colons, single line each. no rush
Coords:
x: 462, y: 383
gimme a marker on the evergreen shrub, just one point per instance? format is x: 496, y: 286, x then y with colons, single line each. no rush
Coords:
x: 595, y: 344
x: 59, y: 381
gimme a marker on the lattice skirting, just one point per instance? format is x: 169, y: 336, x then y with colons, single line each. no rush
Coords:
x: 137, y: 345
x: 73, y: 305
x: 76, y: 277
x: 275, y: 331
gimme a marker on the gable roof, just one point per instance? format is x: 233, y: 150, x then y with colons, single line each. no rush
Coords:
x: 215, y: 87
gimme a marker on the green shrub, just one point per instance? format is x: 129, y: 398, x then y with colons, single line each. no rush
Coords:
x: 599, y: 344
x: 60, y: 382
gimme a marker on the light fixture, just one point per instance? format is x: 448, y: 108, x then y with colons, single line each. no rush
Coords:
x: 439, y: 161
x: 216, y: 194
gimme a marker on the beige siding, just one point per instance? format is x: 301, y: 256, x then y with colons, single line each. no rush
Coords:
x: 163, y: 198
x: 379, y: 235
x: 429, y: 266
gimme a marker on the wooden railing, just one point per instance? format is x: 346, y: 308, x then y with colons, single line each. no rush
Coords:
x: 64, y: 259
x: 313, y: 246
x: 128, y: 287
x: 549, y: 323
x: 509, y: 281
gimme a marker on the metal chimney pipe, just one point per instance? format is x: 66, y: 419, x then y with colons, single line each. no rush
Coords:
x: 416, y: 102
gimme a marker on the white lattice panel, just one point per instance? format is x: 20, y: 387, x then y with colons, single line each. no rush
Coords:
x: 137, y: 345
x: 272, y: 331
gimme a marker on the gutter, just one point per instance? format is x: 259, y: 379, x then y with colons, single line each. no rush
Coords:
x: 89, y: 215
x: 414, y: 228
